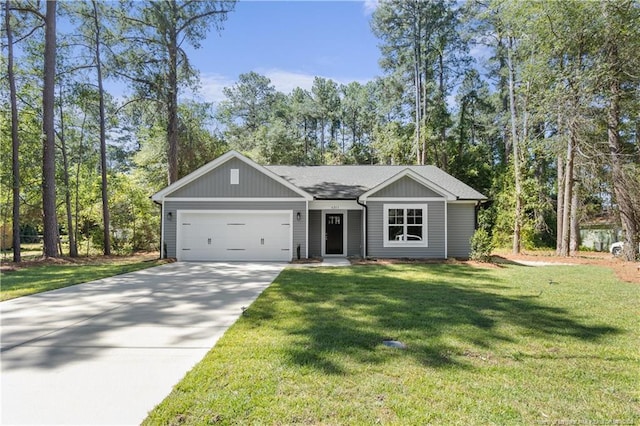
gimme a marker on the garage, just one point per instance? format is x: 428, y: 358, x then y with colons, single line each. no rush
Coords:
x: 234, y: 235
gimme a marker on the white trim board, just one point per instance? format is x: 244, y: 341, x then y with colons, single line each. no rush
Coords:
x: 334, y: 205
x: 232, y: 199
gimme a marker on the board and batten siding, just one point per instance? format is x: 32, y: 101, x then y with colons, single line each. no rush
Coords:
x: 435, y: 232
x: 299, y: 226
x: 354, y: 233
x: 405, y: 187
x: 315, y: 231
x: 461, y: 226
x: 217, y: 183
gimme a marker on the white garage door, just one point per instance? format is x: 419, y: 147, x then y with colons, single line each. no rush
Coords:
x: 234, y: 235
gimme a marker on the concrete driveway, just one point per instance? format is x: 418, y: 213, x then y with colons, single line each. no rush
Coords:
x: 108, y: 351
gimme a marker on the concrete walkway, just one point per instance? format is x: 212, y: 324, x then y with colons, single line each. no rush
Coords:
x: 327, y: 261
x: 108, y: 351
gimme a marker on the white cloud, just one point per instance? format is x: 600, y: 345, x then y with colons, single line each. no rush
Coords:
x: 370, y: 6
x: 211, y: 86
x: 286, y: 81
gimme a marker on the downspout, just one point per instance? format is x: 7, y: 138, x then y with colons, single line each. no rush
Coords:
x: 365, y: 223
x: 161, y: 226
x: 306, y: 231
x: 446, y: 228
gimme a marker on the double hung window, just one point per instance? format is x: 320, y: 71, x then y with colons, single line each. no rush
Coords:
x: 405, y: 225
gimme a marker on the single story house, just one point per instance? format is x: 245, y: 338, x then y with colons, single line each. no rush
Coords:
x: 235, y: 209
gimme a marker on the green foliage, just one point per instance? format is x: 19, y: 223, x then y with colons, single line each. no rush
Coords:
x: 481, y: 246
x: 36, y: 279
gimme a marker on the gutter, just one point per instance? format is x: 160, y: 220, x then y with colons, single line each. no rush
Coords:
x: 366, y: 226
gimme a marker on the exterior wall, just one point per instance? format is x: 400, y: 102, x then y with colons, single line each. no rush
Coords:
x: 299, y: 227
x: 461, y: 224
x: 354, y: 233
x: 435, y: 232
x: 315, y: 229
x: 217, y: 183
x: 406, y: 188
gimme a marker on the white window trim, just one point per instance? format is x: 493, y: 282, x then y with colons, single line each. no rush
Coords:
x: 235, y: 177
x: 425, y: 228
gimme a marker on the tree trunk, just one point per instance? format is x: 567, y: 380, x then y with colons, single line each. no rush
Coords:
x: 417, y: 98
x: 50, y: 220
x: 15, y: 139
x: 560, y: 204
x: 625, y: 203
x: 73, y: 249
x: 568, y: 192
x: 172, y: 100
x: 629, y: 216
x: 574, y: 232
x: 517, y: 225
x: 103, y: 138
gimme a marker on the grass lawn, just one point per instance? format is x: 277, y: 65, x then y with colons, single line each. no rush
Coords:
x: 39, y: 278
x: 484, y: 346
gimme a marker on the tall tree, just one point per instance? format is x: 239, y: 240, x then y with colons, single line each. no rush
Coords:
x: 50, y: 221
x: 159, y: 65
x: 619, y: 58
x: 421, y: 43
x: 326, y: 104
x: 15, y: 138
x: 96, y: 50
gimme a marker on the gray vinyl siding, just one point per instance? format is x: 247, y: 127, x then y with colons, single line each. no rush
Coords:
x: 435, y: 233
x: 407, y: 188
x: 217, y: 183
x: 299, y: 227
x: 354, y: 233
x: 461, y: 226
x: 315, y: 231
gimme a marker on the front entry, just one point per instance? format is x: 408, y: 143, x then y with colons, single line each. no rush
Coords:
x: 334, y: 233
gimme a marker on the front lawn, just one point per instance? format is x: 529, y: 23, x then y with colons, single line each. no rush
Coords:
x: 511, y: 345
x: 50, y: 276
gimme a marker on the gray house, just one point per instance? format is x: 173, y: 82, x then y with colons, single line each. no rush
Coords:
x: 235, y: 209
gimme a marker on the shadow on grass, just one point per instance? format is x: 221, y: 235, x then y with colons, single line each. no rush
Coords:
x: 348, y: 312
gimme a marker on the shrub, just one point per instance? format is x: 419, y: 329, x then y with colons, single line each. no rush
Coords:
x: 481, y: 246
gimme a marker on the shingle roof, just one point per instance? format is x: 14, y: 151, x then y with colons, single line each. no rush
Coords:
x: 349, y: 182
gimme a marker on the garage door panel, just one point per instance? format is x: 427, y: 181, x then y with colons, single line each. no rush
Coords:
x: 235, y: 236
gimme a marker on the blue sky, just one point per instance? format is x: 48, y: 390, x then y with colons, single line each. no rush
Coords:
x: 290, y: 42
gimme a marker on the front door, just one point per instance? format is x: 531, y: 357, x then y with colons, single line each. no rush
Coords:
x: 334, y: 228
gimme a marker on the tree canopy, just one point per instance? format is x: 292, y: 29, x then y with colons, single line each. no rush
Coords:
x: 546, y: 122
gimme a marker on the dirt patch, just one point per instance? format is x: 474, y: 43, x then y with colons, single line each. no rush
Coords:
x: 91, y: 260
x: 625, y: 271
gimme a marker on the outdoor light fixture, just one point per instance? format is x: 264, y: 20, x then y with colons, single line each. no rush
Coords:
x: 170, y: 215
x: 298, y: 216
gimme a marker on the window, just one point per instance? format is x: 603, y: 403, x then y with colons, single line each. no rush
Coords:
x: 405, y: 225
x: 235, y: 176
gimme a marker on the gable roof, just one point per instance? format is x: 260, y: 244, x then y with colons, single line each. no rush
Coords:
x: 340, y: 182
x: 351, y: 182
x: 158, y: 196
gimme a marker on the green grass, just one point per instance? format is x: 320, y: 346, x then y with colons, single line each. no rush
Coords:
x: 36, y: 279
x: 485, y: 346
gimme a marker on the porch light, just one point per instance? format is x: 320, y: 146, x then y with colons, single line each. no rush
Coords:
x: 170, y: 215
x: 298, y: 216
